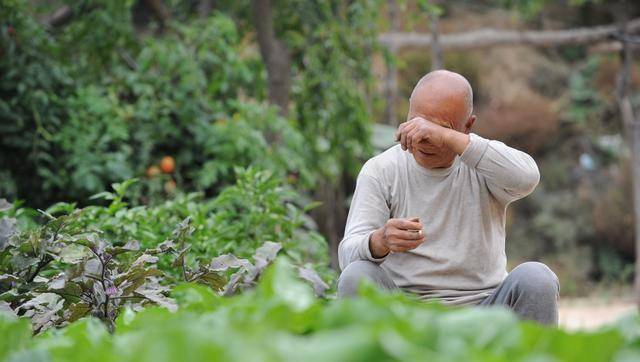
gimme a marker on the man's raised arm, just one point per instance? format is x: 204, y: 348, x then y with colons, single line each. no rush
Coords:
x: 510, y: 174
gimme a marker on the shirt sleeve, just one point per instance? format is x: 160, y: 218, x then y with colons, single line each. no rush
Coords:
x: 510, y: 174
x: 369, y: 211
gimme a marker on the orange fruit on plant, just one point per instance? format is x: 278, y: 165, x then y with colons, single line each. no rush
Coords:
x: 167, y: 164
x: 153, y: 171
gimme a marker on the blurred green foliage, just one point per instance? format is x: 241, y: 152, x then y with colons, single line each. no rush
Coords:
x: 33, y: 89
x: 101, y: 101
x: 94, y: 103
x: 530, y: 8
x: 332, y: 47
x: 178, y: 96
x: 579, y: 219
x: 282, y: 320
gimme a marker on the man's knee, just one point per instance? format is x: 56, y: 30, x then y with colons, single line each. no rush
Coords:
x: 356, y: 271
x: 536, y: 280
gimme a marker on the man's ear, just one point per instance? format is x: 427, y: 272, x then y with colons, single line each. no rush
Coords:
x: 469, y: 123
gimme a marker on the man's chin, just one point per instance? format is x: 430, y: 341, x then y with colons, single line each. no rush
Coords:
x: 430, y: 160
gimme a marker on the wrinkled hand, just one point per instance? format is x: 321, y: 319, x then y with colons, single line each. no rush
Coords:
x: 418, y: 129
x: 397, y: 235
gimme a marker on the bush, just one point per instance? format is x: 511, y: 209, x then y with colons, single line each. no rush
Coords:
x: 281, y: 320
x: 188, y: 95
x: 96, y: 260
x: 33, y: 90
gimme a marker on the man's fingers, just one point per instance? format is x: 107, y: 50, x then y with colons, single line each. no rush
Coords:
x: 403, y: 136
x: 399, y: 246
x: 399, y: 131
x: 405, y: 224
x: 408, y: 139
x: 403, y: 128
x: 406, y: 235
x: 412, y: 139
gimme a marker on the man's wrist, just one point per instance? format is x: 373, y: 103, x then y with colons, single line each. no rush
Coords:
x: 376, y: 247
x: 455, y: 140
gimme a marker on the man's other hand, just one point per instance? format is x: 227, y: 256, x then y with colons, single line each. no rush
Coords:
x: 397, y: 235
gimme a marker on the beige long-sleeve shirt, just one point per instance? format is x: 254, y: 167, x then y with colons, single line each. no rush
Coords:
x: 462, y: 209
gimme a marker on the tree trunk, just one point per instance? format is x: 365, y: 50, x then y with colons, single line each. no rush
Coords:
x: 331, y: 216
x: 391, y: 78
x: 492, y: 37
x: 436, y: 47
x: 635, y: 165
x: 59, y: 17
x: 160, y: 11
x: 204, y: 8
x: 631, y: 125
x: 274, y: 54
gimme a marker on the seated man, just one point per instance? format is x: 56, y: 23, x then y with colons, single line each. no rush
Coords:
x: 431, y: 220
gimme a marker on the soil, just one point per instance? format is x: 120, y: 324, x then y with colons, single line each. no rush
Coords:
x: 591, y: 313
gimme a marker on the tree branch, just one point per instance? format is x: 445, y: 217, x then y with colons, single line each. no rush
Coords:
x: 46, y: 259
x: 275, y: 55
x: 59, y: 17
x: 204, y: 8
x: 613, y: 46
x: 494, y: 37
x: 436, y: 48
x: 623, y: 88
x: 160, y: 11
x: 391, y: 76
x: 632, y: 129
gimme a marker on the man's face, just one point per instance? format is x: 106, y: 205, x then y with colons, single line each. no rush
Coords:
x: 428, y: 155
x: 444, y: 98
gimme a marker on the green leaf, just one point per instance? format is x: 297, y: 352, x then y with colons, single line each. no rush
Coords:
x: 154, y: 293
x: 310, y: 275
x: 280, y: 281
x: 195, y: 297
x: 15, y: 332
x: 121, y: 188
x: 43, y: 310
x: 103, y: 195
x: 86, y: 339
x: 5, y: 205
x: 312, y: 205
x: 61, y: 207
x: 6, y: 308
x: 266, y: 254
x: 131, y: 245
x: 74, y: 254
x: 7, y: 230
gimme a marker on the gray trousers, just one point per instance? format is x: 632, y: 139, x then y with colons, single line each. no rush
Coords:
x: 531, y: 290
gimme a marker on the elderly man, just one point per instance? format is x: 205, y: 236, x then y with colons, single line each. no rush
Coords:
x: 428, y: 215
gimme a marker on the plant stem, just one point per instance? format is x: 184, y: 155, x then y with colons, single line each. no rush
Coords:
x: 41, y: 264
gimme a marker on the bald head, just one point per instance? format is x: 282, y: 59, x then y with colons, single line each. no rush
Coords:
x: 444, y: 97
